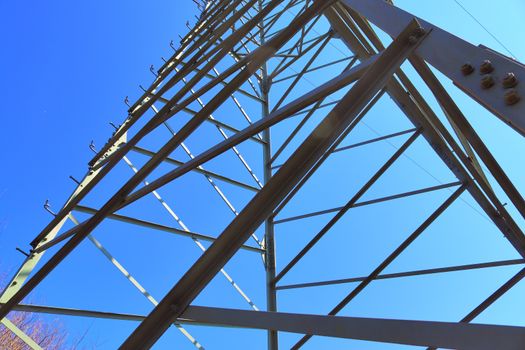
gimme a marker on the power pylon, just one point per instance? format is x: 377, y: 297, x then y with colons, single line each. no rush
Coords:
x: 307, y: 73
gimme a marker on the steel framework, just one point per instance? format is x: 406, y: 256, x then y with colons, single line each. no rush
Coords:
x: 245, y: 69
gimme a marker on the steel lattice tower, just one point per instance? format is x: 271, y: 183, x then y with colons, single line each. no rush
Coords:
x: 251, y: 69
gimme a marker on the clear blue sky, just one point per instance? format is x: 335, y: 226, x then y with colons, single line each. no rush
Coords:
x: 65, y: 69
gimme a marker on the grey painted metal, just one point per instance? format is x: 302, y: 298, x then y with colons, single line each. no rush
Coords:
x: 442, y: 334
x: 492, y: 298
x: 275, y: 117
x: 458, y: 119
x: 260, y: 207
x: 389, y: 259
x: 347, y: 206
x: 195, y: 61
x: 29, y: 264
x: 448, y: 53
x: 279, y: 115
x: 160, y: 227
x: 20, y: 334
x: 363, y: 143
x: 263, y: 53
x: 423, y: 333
x: 199, y: 170
x: 410, y: 101
x: 109, y: 161
x: 269, y: 232
x: 371, y: 201
x: 111, y: 258
x: 406, y: 274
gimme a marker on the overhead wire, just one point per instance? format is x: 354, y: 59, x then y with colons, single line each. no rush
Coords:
x: 485, y: 28
x: 394, y: 146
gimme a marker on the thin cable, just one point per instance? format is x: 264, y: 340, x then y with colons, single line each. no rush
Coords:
x: 390, y: 143
x: 486, y: 29
x: 428, y: 172
x: 404, y: 154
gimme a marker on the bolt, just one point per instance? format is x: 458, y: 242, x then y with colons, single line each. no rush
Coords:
x: 419, y: 32
x: 486, y: 67
x: 510, y: 81
x: 512, y: 97
x: 416, y: 34
x: 487, y: 81
x: 467, y: 69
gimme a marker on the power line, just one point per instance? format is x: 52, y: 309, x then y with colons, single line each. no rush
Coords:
x: 486, y: 29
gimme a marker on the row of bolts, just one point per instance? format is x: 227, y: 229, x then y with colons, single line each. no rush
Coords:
x: 509, y: 81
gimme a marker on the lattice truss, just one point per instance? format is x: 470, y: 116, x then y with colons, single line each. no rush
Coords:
x: 357, y: 187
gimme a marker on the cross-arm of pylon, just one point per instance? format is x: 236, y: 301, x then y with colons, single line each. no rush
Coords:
x: 479, y: 72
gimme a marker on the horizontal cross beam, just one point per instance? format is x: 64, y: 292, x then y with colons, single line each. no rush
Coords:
x: 448, y: 335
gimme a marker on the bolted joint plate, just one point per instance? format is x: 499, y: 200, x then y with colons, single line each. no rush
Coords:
x: 449, y: 54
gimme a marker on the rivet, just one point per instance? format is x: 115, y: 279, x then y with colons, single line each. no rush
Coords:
x: 487, y: 81
x: 419, y: 32
x: 512, y: 97
x: 509, y: 81
x: 467, y: 69
x: 412, y: 39
x: 486, y: 67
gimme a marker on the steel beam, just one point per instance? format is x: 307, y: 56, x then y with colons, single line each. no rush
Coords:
x: 419, y: 333
x: 159, y: 227
x: 84, y: 229
x: 367, y: 142
x: 448, y: 53
x: 261, y: 206
x: 285, y: 112
x: 274, y: 118
x: 347, y: 207
x: 459, y: 120
x: 406, y: 274
x: 215, y: 175
x: 410, y: 101
x: 371, y: 201
x: 492, y: 298
x: 269, y: 232
x: 389, y: 259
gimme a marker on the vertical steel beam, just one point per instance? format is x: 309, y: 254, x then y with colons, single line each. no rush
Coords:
x: 81, y: 231
x: 260, y: 207
x: 269, y: 231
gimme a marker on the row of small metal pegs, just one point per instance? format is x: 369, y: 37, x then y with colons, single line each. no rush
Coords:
x: 127, y: 103
x: 201, y: 5
x: 47, y: 207
x: 486, y: 69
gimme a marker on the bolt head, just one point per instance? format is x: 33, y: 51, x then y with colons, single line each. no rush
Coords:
x: 487, y: 81
x: 512, y: 97
x: 510, y: 80
x: 467, y: 69
x: 412, y: 39
x: 419, y: 32
x: 486, y: 67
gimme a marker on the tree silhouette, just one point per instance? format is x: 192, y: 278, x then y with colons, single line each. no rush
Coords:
x: 49, y: 335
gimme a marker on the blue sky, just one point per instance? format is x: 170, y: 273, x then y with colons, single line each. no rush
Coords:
x: 66, y: 68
